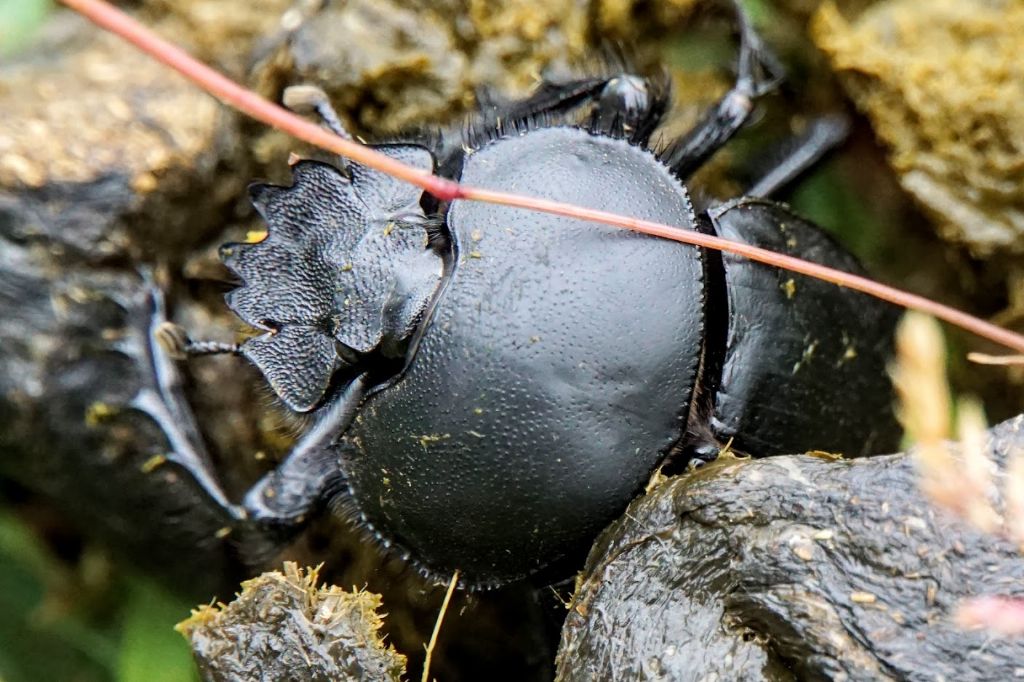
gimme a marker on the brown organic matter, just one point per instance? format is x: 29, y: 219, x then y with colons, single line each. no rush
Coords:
x: 793, y: 567
x: 942, y: 83
x: 282, y: 626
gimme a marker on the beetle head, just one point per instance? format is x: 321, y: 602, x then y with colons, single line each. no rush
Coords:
x: 345, y: 272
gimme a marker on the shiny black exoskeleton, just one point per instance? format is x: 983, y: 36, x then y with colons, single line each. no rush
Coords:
x: 491, y: 386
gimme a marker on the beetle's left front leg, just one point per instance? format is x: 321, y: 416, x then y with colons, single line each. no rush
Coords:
x: 165, y: 403
x: 310, y: 472
x: 284, y: 497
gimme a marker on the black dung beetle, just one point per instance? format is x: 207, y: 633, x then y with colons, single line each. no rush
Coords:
x: 489, y: 387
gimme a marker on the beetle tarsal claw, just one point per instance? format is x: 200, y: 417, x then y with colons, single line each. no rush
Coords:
x: 303, y: 98
x: 173, y: 339
x: 339, y: 248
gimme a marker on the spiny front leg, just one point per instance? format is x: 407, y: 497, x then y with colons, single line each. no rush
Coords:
x: 285, y: 497
x: 310, y: 473
x: 166, y: 404
x: 620, y: 104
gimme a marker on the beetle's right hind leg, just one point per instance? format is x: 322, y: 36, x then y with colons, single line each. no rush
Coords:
x: 820, y: 137
x: 284, y: 498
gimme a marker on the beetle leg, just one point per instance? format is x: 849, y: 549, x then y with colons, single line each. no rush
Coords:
x: 284, y: 496
x: 167, y: 406
x: 759, y: 72
x: 309, y: 99
x: 623, y: 104
x: 631, y: 107
x: 550, y: 97
x: 820, y: 137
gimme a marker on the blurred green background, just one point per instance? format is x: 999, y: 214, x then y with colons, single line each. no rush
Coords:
x: 79, y: 619
x: 18, y: 20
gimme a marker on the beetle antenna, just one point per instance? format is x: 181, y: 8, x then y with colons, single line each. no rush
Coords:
x: 176, y: 342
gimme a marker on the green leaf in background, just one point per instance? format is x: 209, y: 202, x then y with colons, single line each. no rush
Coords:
x: 19, y: 20
x: 826, y: 198
x: 759, y: 11
x: 151, y: 651
x: 57, y: 624
x: 42, y: 639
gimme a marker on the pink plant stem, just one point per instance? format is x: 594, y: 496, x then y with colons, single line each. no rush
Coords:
x: 233, y: 94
